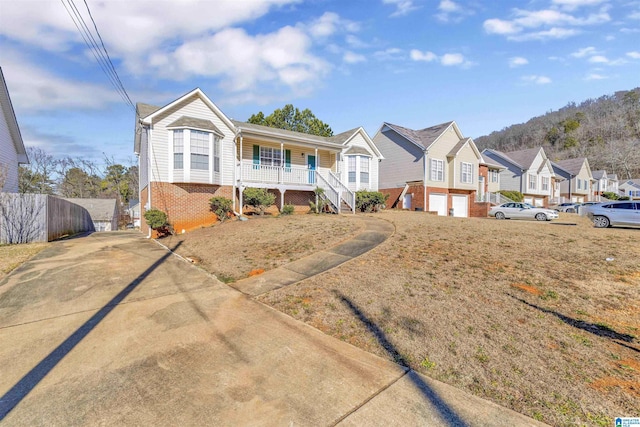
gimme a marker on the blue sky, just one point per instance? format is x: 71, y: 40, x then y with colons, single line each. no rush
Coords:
x: 484, y: 64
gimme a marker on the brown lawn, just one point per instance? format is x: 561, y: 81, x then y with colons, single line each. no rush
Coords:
x: 12, y: 256
x: 529, y: 315
x: 237, y: 249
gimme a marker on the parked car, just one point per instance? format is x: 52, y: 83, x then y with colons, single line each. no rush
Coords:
x: 522, y: 211
x: 570, y: 207
x: 614, y: 213
x: 581, y: 207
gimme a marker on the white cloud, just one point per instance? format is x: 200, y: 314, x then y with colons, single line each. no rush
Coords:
x: 403, y: 7
x: 540, y: 80
x: 586, y: 51
x: 634, y: 15
x: 595, y: 76
x: 448, y: 10
x: 353, y: 58
x: 330, y: 23
x: 427, y: 56
x: 449, y: 59
x: 634, y: 55
x: 599, y: 59
x: 389, y: 54
x: 517, y: 61
x: 355, y: 42
x: 35, y: 89
x: 542, y: 24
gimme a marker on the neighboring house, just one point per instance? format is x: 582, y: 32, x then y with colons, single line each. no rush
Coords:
x: 490, y: 176
x: 134, y: 212
x: 604, y: 182
x: 577, y: 183
x: 12, y: 151
x: 103, y: 212
x: 434, y: 169
x: 190, y: 151
x: 630, y: 188
x: 527, y: 171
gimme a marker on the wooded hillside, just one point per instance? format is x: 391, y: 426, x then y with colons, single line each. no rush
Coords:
x: 605, y: 130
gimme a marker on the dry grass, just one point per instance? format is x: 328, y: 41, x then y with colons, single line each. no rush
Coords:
x: 238, y: 249
x: 529, y: 315
x: 12, y: 256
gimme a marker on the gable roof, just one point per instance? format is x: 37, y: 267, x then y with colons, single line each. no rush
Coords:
x: 526, y: 157
x: 195, y: 123
x: 347, y: 136
x: 357, y: 150
x: 573, y: 166
x: 99, y: 209
x: 144, y: 110
x: 456, y: 148
x: 599, y: 174
x: 12, y: 121
x: 632, y: 182
x: 503, y: 156
x: 423, y: 138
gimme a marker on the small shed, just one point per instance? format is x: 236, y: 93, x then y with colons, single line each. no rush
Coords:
x: 104, y: 212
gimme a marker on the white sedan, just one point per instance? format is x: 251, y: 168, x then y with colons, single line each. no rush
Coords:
x: 522, y: 211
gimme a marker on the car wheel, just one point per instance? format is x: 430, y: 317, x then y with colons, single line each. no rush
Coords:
x: 601, y: 221
x: 571, y: 210
x: 541, y: 217
x: 500, y: 215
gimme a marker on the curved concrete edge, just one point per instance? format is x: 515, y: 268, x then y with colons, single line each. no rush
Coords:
x: 376, y: 231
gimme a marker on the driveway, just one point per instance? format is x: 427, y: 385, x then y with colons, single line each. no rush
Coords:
x: 111, y: 329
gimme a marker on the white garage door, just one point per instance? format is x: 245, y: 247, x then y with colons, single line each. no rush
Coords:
x: 460, y: 205
x: 438, y: 203
x: 539, y: 203
x: 528, y: 200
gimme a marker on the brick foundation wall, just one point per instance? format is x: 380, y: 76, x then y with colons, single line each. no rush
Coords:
x: 299, y: 200
x: 479, y: 209
x: 186, y: 205
x: 418, y: 198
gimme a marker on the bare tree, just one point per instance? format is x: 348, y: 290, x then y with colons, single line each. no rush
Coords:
x: 20, y: 217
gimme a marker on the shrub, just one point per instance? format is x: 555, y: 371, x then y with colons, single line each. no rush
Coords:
x: 322, y: 204
x: 158, y: 221
x: 258, y: 198
x: 516, y: 196
x: 370, y: 201
x: 610, y: 195
x: 624, y: 198
x: 222, y: 207
x: 287, y: 210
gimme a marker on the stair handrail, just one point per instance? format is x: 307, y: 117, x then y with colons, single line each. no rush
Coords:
x: 330, y: 192
x: 347, y: 195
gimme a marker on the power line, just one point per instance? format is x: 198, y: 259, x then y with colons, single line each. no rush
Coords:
x: 99, y: 52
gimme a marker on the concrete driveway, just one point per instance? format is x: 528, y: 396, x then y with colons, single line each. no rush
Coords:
x: 111, y: 329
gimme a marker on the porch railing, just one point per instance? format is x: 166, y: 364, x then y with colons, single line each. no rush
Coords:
x: 329, y: 192
x: 277, y: 174
x: 343, y: 192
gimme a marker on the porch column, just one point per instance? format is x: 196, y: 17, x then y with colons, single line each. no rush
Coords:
x: 282, y: 191
x: 317, y: 171
x: 240, y: 161
x: 240, y: 189
x: 281, y: 171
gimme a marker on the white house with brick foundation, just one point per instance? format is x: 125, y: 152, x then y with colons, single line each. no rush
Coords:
x: 189, y: 151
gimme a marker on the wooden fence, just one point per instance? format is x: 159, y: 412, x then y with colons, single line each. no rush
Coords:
x: 26, y: 218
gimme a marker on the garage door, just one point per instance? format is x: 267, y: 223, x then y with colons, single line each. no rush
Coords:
x: 539, y: 203
x: 438, y: 203
x: 460, y: 205
x: 528, y: 200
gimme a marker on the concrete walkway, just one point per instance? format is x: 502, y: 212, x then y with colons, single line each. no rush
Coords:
x: 110, y: 329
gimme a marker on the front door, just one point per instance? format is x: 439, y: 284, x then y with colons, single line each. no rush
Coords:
x: 311, y: 165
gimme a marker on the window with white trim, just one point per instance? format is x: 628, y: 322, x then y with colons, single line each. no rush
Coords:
x: 270, y: 156
x: 494, y: 175
x: 545, y: 183
x: 532, y: 181
x: 437, y: 170
x: 178, y: 149
x: 199, y: 144
x: 466, y: 173
x: 216, y: 154
x: 351, y: 168
x: 364, y: 169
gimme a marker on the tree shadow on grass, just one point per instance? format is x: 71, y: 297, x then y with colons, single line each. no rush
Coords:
x: 599, y: 330
x: 447, y: 414
x: 23, y: 387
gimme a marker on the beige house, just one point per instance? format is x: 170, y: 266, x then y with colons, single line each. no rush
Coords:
x: 578, y: 180
x: 434, y: 169
x: 12, y: 150
x: 190, y: 151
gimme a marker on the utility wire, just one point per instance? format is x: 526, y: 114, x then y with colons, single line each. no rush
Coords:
x: 100, y: 53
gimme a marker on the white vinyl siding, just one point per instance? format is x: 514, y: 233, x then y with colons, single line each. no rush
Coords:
x: 437, y: 170
x: 8, y: 157
x: 466, y: 173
